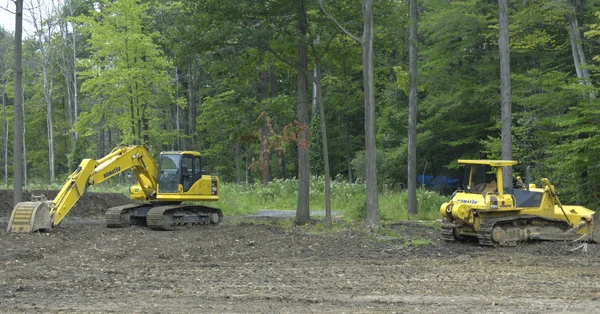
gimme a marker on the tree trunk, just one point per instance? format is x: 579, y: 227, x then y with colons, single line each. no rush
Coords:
x: 265, y: 149
x: 177, y: 126
x: 302, y: 210
x: 314, y: 94
x: 503, y: 46
x: 247, y: 167
x: 5, y: 136
x: 348, y: 150
x: 319, y: 100
x: 66, y: 72
x: 578, y: 53
x: 412, y: 113
x: 372, y: 221
x: 39, y: 26
x: 24, y: 142
x: 238, y: 162
x: 18, y: 123
x: 101, y: 150
x: 75, y: 88
x: 348, y: 147
x: 193, y: 105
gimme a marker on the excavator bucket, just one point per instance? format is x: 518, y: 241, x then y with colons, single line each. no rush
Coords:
x: 29, y: 217
x: 596, y: 227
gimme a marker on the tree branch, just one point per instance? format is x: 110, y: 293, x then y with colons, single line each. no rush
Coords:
x: 280, y: 58
x: 7, y: 9
x: 338, y: 24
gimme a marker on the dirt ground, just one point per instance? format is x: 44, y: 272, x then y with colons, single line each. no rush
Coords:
x: 251, y: 265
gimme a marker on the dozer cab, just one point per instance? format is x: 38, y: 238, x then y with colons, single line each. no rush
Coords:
x: 161, y: 189
x: 499, y: 215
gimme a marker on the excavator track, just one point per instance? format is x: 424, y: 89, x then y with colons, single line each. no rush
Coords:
x: 448, y: 231
x: 176, y: 216
x: 120, y: 216
x: 492, y: 232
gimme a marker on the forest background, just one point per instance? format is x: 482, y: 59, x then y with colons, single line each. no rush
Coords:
x: 220, y: 77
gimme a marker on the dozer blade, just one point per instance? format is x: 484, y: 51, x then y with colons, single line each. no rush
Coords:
x: 596, y: 227
x: 30, y: 217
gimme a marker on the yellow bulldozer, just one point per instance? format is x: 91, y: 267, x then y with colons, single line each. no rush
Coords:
x: 498, y: 215
x: 164, y: 192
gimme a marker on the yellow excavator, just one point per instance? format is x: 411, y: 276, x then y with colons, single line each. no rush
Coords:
x: 178, y: 178
x: 497, y: 215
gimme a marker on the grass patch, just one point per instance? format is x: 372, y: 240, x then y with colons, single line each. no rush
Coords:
x: 347, y: 199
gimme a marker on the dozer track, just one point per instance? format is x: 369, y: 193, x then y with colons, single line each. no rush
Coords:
x: 448, y: 231
x: 508, y: 231
x: 170, y: 217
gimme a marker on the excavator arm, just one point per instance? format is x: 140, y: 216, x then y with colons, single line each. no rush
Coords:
x: 33, y: 216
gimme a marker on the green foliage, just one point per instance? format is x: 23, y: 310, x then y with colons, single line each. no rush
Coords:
x: 80, y: 152
x: 198, y: 74
x: 126, y: 71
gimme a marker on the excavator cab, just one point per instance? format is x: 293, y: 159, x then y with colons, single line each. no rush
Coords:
x: 169, y: 173
x: 179, y: 171
x: 182, y: 178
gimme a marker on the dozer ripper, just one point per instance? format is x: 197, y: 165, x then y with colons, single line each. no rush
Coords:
x: 178, y: 178
x: 496, y: 215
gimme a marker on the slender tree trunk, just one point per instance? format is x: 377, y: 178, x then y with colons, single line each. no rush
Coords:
x: 319, y: 101
x: 314, y: 94
x: 246, y: 165
x: 191, y: 104
x: 302, y: 210
x: 238, y: 162
x: 413, y: 208
x: 101, y: 150
x: 348, y: 150
x: 503, y: 46
x: 5, y: 136
x: 24, y: 142
x: 348, y: 146
x: 265, y: 150
x: 372, y: 221
x: 39, y: 26
x: 67, y: 71
x: 177, y: 125
x: 578, y: 53
x: 75, y: 88
x: 18, y: 123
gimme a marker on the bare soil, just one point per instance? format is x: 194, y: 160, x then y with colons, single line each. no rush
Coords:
x: 251, y: 265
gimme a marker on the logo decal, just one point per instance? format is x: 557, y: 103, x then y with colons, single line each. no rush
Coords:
x: 110, y: 173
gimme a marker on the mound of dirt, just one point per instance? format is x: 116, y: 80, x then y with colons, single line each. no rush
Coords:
x: 90, y: 204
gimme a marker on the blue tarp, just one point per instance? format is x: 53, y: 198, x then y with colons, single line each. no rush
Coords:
x: 438, y: 183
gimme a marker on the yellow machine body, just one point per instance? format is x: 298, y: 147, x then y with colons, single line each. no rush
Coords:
x: 497, y: 215
x: 181, y: 179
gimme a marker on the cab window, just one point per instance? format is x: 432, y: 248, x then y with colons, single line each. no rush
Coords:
x: 192, y: 170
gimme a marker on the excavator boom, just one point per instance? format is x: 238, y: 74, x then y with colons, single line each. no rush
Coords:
x: 44, y: 215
